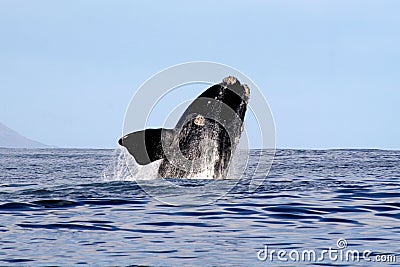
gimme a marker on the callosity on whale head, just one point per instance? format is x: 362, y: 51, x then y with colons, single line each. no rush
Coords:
x: 204, y: 139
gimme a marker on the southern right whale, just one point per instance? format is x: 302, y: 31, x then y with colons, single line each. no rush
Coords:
x: 204, y: 139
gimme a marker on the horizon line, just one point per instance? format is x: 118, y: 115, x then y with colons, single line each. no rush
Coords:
x: 252, y: 148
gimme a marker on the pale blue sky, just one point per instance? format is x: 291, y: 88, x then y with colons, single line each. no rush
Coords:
x: 329, y: 69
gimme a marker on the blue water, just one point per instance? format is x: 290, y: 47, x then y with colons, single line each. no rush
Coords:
x: 60, y: 207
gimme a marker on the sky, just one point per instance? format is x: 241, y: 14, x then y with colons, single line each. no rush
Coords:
x: 328, y: 69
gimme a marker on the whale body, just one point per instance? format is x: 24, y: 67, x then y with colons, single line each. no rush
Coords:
x: 204, y: 139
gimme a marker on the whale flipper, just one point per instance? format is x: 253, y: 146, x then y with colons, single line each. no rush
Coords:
x: 145, y: 146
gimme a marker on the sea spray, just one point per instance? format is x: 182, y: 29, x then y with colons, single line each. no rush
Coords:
x: 124, y: 168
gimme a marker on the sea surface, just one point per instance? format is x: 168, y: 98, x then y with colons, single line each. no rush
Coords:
x: 80, y: 207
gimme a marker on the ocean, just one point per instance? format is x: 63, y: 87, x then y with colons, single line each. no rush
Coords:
x: 82, y: 207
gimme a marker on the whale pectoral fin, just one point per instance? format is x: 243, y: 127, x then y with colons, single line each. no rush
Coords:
x: 146, y: 146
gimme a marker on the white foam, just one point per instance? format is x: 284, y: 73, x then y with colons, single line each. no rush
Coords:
x: 125, y: 168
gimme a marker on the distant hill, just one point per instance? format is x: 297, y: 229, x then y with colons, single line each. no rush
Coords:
x: 11, y: 139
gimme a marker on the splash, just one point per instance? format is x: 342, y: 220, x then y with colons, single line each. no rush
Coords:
x: 123, y: 167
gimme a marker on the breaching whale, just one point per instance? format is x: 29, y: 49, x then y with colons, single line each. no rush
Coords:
x: 204, y: 139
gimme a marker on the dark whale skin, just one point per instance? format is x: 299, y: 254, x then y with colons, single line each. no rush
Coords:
x: 204, y: 138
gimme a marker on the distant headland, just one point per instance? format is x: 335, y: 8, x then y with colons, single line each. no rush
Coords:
x: 11, y: 139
